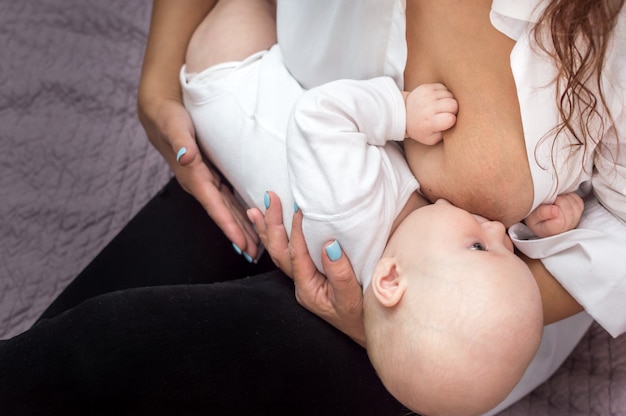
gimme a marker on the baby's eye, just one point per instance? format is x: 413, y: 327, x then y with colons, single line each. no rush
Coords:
x: 477, y: 246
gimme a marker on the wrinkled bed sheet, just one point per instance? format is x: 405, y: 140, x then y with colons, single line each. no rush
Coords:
x: 75, y: 163
x: 75, y: 166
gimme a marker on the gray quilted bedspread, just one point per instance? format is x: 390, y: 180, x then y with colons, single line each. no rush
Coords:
x: 75, y: 166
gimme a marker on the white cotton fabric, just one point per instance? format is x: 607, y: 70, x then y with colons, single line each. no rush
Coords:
x: 588, y: 261
x: 323, y: 40
x: 578, y: 262
x: 555, y: 166
x: 591, y: 263
x: 349, y: 182
x: 240, y: 112
x: 327, y: 40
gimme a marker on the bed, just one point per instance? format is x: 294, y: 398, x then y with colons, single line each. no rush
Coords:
x: 76, y: 166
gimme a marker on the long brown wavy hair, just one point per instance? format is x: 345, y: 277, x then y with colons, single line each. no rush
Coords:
x: 576, y: 34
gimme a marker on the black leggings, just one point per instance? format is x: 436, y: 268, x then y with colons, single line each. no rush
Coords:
x: 165, y: 321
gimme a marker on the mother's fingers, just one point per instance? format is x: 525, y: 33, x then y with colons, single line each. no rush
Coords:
x: 235, y: 219
x: 272, y: 232
x: 345, y: 293
x: 337, y: 296
x: 338, y: 299
x: 310, y: 283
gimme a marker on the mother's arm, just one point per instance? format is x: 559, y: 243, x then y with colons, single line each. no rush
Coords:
x: 168, y: 124
x: 481, y: 165
x: 557, y: 302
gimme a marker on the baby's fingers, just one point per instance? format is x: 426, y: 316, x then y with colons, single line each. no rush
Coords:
x: 543, y: 213
x: 571, y: 204
x: 443, y: 121
x: 545, y: 220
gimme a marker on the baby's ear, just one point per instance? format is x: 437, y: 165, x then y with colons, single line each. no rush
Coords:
x: 386, y: 283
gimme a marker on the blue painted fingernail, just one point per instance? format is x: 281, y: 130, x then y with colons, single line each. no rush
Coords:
x: 334, y: 251
x: 237, y: 249
x: 180, y: 153
x: 295, y: 207
x: 266, y: 200
x: 248, y: 257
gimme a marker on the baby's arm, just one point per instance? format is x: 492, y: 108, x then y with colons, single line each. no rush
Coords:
x: 334, y: 142
x: 552, y: 219
x: 342, y: 170
x: 430, y: 110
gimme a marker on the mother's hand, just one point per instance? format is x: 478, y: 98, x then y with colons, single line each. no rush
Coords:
x: 169, y: 126
x: 336, y: 297
x: 170, y: 130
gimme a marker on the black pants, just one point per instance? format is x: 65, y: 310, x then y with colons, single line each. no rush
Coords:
x: 165, y: 321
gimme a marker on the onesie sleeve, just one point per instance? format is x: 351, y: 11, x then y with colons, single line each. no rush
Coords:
x: 335, y: 140
x: 349, y: 181
x: 590, y: 263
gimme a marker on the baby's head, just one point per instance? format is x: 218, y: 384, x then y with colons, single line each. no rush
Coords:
x: 453, y: 317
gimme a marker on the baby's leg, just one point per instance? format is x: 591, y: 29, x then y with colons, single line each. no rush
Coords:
x: 239, y: 95
x: 232, y: 31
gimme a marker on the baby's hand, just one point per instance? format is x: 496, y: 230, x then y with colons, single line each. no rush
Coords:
x: 430, y: 110
x: 548, y: 220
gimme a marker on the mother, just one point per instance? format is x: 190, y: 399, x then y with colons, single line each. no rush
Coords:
x: 245, y: 345
x: 483, y: 163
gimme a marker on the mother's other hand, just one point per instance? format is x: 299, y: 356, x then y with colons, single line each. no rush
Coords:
x: 171, y: 131
x: 336, y: 297
x: 169, y: 126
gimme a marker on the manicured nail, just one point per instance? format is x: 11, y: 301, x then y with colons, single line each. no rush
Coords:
x: 180, y: 153
x: 248, y: 257
x: 266, y: 200
x: 237, y: 249
x: 334, y: 251
x: 295, y: 207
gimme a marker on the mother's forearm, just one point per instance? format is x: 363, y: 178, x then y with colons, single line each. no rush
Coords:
x: 171, y: 27
x: 557, y: 302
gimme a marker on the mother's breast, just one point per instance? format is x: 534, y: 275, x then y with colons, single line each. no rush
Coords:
x: 481, y: 165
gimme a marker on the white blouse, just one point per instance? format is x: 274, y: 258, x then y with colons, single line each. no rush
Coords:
x: 327, y: 40
x: 590, y: 262
x: 555, y: 168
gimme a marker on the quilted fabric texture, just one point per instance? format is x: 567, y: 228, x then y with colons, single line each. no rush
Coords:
x: 75, y: 166
x: 592, y: 381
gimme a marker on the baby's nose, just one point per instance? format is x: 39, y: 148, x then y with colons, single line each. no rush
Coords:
x: 497, y: 231
x: 494, y: 227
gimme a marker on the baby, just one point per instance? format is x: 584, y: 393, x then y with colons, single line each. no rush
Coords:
x: 452, y: 315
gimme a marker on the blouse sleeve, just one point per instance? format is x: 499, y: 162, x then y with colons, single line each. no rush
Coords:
x: 609, y: 175
x: 590, y: 263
